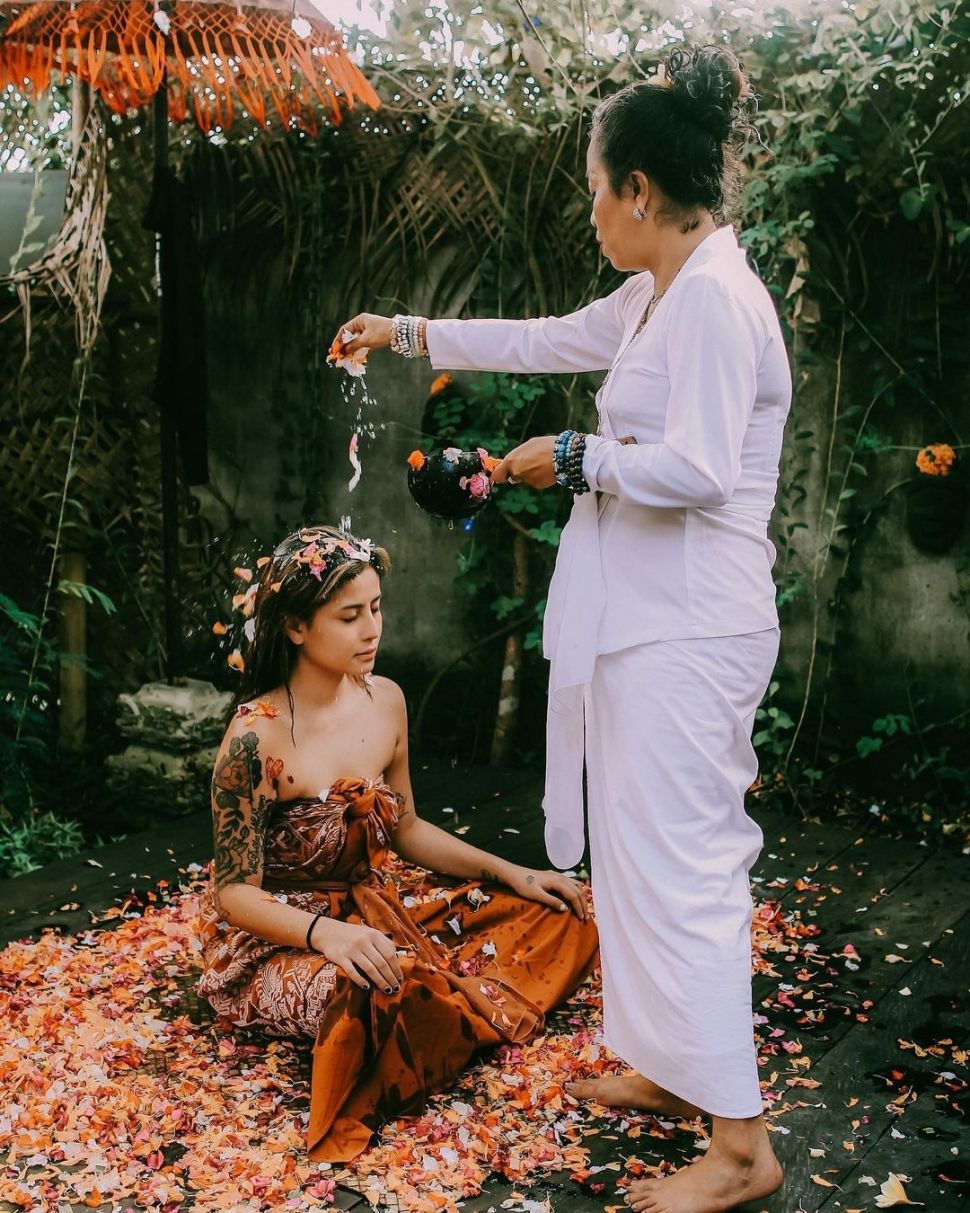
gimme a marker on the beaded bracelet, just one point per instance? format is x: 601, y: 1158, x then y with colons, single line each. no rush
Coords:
x: 559, y: 457
x: 407, y: 336
x: 574, y: 464
x: 567, y: 458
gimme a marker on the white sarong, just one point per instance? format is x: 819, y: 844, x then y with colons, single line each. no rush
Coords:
x: 669, y: 759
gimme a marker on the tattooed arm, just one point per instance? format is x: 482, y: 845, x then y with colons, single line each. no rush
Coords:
x: 243, y: 792
x: 241, y: 798
x: 240, y: 801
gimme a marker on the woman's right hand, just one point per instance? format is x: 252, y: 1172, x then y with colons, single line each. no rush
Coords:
x: 364, y: 954
x: 370, y: 332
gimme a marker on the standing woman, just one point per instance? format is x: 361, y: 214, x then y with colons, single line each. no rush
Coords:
x: 661, y: 627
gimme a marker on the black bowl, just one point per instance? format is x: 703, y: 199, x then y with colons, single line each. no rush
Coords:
x: 451, y: 484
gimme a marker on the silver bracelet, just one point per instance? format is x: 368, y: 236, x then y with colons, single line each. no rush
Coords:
x: 406, y: 336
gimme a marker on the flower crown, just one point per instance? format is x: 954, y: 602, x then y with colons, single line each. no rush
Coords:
x: 317, y: 552
x: 323, y: 553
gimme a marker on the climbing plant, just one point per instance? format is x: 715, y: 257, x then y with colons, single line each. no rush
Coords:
x: 466, y: 191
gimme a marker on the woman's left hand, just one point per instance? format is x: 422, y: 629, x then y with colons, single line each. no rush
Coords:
x: 551, y: 888
x: 530, y: 463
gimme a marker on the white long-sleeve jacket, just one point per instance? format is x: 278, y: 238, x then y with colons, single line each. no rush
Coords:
x: 673, y: 543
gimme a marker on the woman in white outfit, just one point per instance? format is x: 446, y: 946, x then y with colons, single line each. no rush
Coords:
x: 661, y: 627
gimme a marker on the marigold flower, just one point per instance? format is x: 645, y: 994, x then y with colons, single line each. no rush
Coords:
x: 219, y: 628
x: 243, y: 574
x: 417, y: 460
x: 235, y: 661
x: 936, y: 459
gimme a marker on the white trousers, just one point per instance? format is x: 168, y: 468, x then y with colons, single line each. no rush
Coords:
x: 669, y: 758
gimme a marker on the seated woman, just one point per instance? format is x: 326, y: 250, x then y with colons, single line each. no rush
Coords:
x: 302, y: 932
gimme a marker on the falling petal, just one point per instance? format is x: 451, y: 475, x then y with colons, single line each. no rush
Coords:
x: 354, y: 463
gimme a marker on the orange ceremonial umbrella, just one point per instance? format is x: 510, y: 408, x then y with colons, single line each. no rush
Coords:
x: 277, y: 61
x: 263, y: 56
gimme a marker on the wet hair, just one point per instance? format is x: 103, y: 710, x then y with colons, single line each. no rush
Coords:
x: 305, y: 571
x: 681, y: 129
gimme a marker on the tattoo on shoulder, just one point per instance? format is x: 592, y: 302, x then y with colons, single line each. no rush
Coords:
x: 240, y: 771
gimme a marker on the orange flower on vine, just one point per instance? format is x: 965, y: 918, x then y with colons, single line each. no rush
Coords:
x: 936, y: 459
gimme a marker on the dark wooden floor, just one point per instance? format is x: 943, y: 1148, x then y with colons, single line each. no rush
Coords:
x: 878, y: 1041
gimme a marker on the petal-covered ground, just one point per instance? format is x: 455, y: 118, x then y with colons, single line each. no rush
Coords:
x: 119, y: 1093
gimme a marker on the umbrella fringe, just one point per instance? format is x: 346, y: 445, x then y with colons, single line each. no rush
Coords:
x: 213, y: 51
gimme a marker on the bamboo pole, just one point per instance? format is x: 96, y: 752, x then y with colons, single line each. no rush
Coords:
x: 73, y: 716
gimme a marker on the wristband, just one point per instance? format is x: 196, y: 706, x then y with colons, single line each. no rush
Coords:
x: 309, y: 931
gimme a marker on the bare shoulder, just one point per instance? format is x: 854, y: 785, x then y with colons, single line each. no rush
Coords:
x: 258, y: 727
x: 386, y: 691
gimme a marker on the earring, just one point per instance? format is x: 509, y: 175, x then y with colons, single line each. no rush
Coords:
x: 638, y: 213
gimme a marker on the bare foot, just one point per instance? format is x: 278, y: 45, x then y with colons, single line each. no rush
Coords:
x: 716, y: 1183
x: 632, y: 1091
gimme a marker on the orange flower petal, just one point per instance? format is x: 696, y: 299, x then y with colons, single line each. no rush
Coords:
x: 438, y: 385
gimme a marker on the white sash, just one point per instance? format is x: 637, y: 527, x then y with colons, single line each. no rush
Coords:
x: 570, y: 634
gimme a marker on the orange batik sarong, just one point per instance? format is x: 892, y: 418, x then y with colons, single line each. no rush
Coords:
x: 481, y: 967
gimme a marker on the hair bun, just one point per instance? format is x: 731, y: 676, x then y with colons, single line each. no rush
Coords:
x: 709, y: 87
